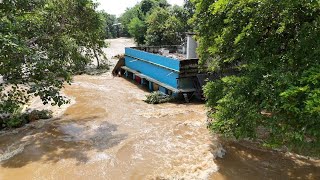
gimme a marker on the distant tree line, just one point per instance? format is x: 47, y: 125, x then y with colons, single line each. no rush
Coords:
x: 111, y: 29
x: 155, y: 22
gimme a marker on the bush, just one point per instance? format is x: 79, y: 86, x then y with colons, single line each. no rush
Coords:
x: 14, y: 122
x: 274, y: 47
x: 157, y: 97
x: 17, y: 119
x: 36, y: 115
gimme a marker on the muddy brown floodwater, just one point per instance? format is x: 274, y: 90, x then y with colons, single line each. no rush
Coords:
x: 110, y: 133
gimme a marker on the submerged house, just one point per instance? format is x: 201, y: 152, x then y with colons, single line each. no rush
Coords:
x: 170, y: 69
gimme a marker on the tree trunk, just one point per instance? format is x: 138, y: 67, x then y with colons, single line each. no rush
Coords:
x: 95, y: 54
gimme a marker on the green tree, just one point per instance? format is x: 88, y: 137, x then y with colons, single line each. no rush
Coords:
x: 44, y: 42
x: 110, y: 27
x: 126, y: 18
x: 147, y: 6
x: 136, y: 29
x: 163, y: 28
x: 134, y: 19
x: 155, y: 22
x: 189, y: 9
x: 183, y: 14
x: 272, y: 49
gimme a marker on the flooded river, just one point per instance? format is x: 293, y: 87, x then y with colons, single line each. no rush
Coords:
x: 110, y: 133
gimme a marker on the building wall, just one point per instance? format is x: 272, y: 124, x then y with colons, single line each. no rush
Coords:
x: 154, y: 58
x: 163, y: 69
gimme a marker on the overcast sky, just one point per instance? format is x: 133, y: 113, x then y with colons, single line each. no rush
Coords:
x: 117, y: 7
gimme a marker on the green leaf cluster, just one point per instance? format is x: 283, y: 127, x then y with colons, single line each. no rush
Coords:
x: 155, y: 22
x: 267, y: 54
x: 111, y: 30
x: 44, y: 42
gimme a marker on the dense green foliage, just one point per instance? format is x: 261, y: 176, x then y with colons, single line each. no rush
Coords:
x: 267, y: 54
x: 111, y: 29
x: 126, y: 18
x: 155, y: 22
x: 137, y: 29
x: 163, y: 28
x: 44, y: 42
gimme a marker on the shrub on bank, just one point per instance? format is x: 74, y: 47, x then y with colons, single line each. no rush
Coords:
x: 17, y: 119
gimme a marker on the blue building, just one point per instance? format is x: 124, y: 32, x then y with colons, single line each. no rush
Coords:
x: 170, y: 69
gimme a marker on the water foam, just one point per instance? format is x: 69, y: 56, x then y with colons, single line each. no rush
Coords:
x: 12, y: 151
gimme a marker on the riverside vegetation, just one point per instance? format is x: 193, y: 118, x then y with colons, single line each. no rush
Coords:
x: 44, y: 43
x: 273, y: 49
x: 266, y: 54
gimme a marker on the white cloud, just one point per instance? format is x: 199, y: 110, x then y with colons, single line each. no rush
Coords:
x: 118, y: 7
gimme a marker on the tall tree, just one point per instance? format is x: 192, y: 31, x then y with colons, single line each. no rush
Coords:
x: 43, y: 42
x: 272, y: 50
x: 134, y: 19
x: 163, y: 28
x: 110, y: 25
x: 137, y: 28
x: 147, y: 6
x: 126, y: 18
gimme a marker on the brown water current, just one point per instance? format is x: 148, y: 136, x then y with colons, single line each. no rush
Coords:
x: 111, y: 133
